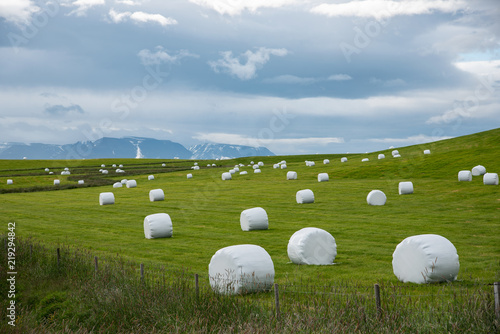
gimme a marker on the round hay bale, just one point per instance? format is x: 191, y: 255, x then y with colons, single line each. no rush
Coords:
x: 490, y: 179
x: 163, y: 165
x: 103, y: 165
x: 241, y: 269
x: 121, y: 166
x: 105, y: 171
x: 344, y: 159
x: 425, y: 258
x: 255, y: 166
x: 117, y: 185
x: 51, y: 173
x: 254, y: 219
x: 275, y: 166
x: 158, y: 225
x: 214, y: 165
x: 9, y: 181
x: 151, y: 177
x: 131, y: 183
x: 114, y: 166
x: 381, y: 156
x: 256, y: 170
x: 81, y: 182
x: 251, y: 162
x: 236, y: 169
x: 47, y: 170
x: 427, y: 151
x: 156, y: 195
x: 323, y: 177
x: 312, y: 246
x: 196, y: 167
x: 232, y: 171
x: 397, y: 156
x: 365, y: 160
x: 305, y: 196
x: 395, y: 152
x: 226, y: 176
x: 65, y: 172
x: 478, y: 170
x: 376, y: 197
x: 291, y: 175
x: 326, y: 161
x: 310, y: 163
x: 196, y: 164
x: 260, y: 163
x: 464, y: 175
x: 243, y: 172
x: 283, y: 166
x: 405, y: 188
x: 66, y: 169
x: 124, y: 181
x: 57, y: 182
x: 190, y: 176
x: 106, y: 198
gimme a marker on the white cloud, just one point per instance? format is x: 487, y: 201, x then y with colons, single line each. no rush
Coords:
x: 128, y: 2
x: 383, y: 9
x: 339, y: 77
x: 236, y: 7
x: 161, y: 56
x: 142, y: 17
x: 388, y: 83
x: 84, y: 5
x: 412, y: 140
x: 254, y: 61
x: 289, y: 79
x: 18, y: 11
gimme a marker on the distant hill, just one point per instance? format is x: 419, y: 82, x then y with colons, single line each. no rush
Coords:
x: 128, y: 147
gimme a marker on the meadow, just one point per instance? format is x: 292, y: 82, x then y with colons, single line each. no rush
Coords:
x: 205, y: 211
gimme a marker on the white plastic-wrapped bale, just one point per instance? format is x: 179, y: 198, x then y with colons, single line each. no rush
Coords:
x: 65, y: 172
x: 131, y: 183
x: 344, y: 159
x: 226, y: 176
x: 51, y: 173
x: 397, y: 156
x: 121, y: 166
x: 151, y: 177
x: 425, y: 258
x: 310, y: 163
x: 283, y: 166
x: 312, y: 246
x: 254, y: 219
x: 464, y: 175
x: 260, y: 163
x: 256, y: 170
x: 214, y: 165
x: 405, y: 188
x: 209, y: 165
x: 103, y: 165
x: 106, y: 198
x: 196, y: 164
x: 275, y: 166
x: 478, y: 170
x: 376, y: 197
x: 105, y: 171
x: 236, y: 169
x: 241, y: 269
x: 114, y: 166
x: 381, y: 156
x: 323, y: 177
x: 305, y: 196
x: 9, y: 181
x: 243, y: 172
x: 255, y: 166
x: 124, y: 181
x: 395, y: 152
x: 427, y: 151
x: 232, y: 171
x: 190, y: 176
x: 326, y: 161
x: 47, y: 170
x: 117, y: 185
x: 365, y: 160
x: 291, y: 175
x: 163, y: 165
x: 57, y: 182
x: 158, y: 225
x: 251, y: 162
x: 156, y: 195
x: 490, y: 179
x: 66, y: 169
x: 81, y: 182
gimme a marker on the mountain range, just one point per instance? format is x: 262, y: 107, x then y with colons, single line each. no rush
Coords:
x: 128, y: 147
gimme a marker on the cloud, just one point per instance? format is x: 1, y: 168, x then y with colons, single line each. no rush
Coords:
x: 388, y: 83
x: 18, y: 12
x: 383, y: 9
x: 128, y: 2
x: 412, y: 140
x: 289, y: 79
x: 232, y: 7
x: 60, y: 110
x: 339, y: 77
x: 161, y: 56
x: 254, y: 61
x: 141, y: 17
x: 83, y: 6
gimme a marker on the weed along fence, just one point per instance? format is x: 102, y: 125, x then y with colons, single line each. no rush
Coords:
x: 156, y: 294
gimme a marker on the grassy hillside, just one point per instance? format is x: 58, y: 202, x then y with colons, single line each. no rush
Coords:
x: 205, y: 210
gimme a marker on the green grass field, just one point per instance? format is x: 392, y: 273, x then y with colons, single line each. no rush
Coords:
x: 205, y: 210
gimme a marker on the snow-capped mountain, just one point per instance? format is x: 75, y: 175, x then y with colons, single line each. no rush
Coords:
x: 226, y: 151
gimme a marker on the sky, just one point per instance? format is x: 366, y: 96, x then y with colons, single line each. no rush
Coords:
x: 297, y: 77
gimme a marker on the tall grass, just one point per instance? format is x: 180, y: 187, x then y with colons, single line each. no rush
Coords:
x: 70, y: 296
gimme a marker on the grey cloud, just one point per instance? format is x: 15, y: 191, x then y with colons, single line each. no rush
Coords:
x: 59, y: 109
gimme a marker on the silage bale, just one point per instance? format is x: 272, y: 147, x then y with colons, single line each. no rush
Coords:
x: 232, y: 171
x: 241, y: 269
x: 163, y: 165
x: 196, y: 164
x: 405, y: 188
x: 51, y: 173
x: 47, y: 170
x: 275, y: 166
x: 117, y: 185
x: 151, y: 177
x: 131, y: 183
x: 490, y: 179
x: 103, y: 165
x: 310, y: 163
x: 376, y: 197
x: 255, y: 166
x: 256, y: 170
x: 478, y: 170
x: 81, y: 182
x: 283, y: 166
x: 260, y: 163
x: 397, y: 156
x: 9, y: 181
x: 464, y: 175
x: 106, y: 198
x: 158, y: 225
x: 57, y: 182
x: 381, y: 156
x: 124, y: 181
x: 291, y: 175
x: 190, y: 176
x: 323, y: 177
x: 236, y: 169
x: 395, y: 152
x: 114, y: 166
x: 304, y: 196
x: 427, y: 151
x: 326, y: 161
x: 226, y: 176
x: 425, y: 258
x: 214, y: 165
x: 105, y: 171
x: 66, y: 169
x: 365, y: 160
x: 343, y: 159
x: 312, y: 246
x: 196, y: 167
x: 254, y: 219
x: 156, y: 195
x: 243, y: 172
x: 121, y: 166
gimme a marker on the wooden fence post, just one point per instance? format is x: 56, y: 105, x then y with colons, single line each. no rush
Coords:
x: 277, y: 301
x: 58, y: 256
x: 142, y: 272
x: 197, y: 286
x: 95, y: 262
x: 496, y: 290
x: 377, y: 299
